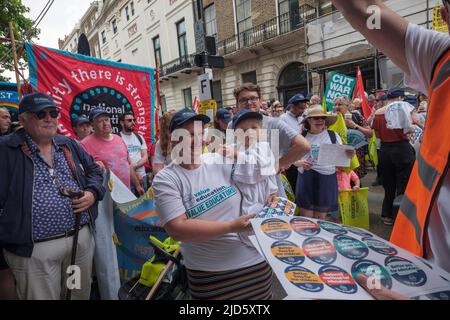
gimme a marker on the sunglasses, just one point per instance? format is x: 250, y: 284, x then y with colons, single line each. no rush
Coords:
x: 43, y: 114
x: 130, y: 120
x: 65, y: 192
x: 319, y: 118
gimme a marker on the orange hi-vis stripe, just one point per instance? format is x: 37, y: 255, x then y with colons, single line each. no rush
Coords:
x: 430, y: 169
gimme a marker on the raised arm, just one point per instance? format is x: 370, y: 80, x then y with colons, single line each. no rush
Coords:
x: 389, y: 39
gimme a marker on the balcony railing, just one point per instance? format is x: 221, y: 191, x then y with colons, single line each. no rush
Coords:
x: 270, y: 29
x: 180, y: 64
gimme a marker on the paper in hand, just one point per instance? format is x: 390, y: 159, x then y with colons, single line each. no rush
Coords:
x: 334, y: 155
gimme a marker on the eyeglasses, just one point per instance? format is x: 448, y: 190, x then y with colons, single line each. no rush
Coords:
x: 247, y: 100
x: 130, y: 120
x: 319, y: 118
x: 43, y: 114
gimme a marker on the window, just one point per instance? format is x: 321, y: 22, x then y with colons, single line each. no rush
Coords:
x: 157, y: 51
x: 132, y: 8
x: 187, y: 96
x: 217, y: 92
x: 114, y: 26
x: 182, y: 41
x: 243, y: 12
x: 127, y: 13
x: 210, y: 20
x: 163, y: 104
x: 103, y: 36
x: 249, y: 77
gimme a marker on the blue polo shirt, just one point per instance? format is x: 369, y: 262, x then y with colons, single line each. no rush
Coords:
x: 52, y: 213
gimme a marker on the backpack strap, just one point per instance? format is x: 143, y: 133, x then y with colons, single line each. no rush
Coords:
x: 332, y: 137
x: 139, y: 138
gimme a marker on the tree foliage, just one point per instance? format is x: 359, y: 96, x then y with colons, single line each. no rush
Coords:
x: 14, y: 11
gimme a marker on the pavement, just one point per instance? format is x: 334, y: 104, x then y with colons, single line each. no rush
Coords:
x: 376, y: 196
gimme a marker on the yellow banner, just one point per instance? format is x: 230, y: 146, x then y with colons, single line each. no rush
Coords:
x: 438, y: 23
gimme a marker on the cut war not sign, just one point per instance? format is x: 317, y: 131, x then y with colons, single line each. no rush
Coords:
x: 316, y: 259
x: 78, y: 83
x: 339, y: 85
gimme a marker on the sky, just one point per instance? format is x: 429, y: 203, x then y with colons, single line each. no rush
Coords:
x: 59, y: 21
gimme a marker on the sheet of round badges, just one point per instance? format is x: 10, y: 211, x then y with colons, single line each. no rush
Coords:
x: 316, y: 259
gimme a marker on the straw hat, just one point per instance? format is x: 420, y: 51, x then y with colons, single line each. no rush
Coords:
x: 316, y: 111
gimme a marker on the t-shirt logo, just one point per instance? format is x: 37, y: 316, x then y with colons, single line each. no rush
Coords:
x: 208, y: 199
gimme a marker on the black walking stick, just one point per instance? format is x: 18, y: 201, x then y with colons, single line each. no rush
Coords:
x: 73, y: 195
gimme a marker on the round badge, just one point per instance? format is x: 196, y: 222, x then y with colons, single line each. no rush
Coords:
x: 319, y: 250
x: 113, y: 101
x: 305, y: 227
x: 350, y: 247
x: 304, y: 279
x: 288, y: 252
x: 375, y: 272
x: 405, y: 272
x: 331, y: 227
x: 338, y: 279
x: 276, y: 229
x: 359, y: 232
x: 380, y: 247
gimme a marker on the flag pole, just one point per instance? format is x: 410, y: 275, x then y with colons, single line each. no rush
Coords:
x: 16, y: 68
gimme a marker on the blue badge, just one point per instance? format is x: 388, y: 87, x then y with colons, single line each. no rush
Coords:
x: 288, y: 252
x: 380, y: 247
x: 304, y: 279
x: 305, y: 227
x: 338, y: 279
x: 276, y: 229
x: 405, y: 272
x: 376, y: 273
x: 319, y: 250
x: 332, y: 227
x: 350, y: 247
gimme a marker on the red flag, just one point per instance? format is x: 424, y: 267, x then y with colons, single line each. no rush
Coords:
x: 359, y: 93
x: 196, y: 104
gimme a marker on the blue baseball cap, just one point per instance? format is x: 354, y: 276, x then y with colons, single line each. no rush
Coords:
x: 94, y: 113
x: 245, y: 114
x: 297, y: 99
x: 80, y: 120
x: 396, y: 92
x: 412, y: 100
x: 224, y: 115
x: 186, y: 115
x: 36, y: 102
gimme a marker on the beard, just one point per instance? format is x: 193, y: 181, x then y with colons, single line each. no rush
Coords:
x: 129, y: 129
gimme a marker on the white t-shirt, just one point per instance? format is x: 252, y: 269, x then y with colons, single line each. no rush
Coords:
x: 254, y: 175
x: 423, y: 49
x: 206, y: 193
x: 316, y: 140
x: 158, y: 157
x: 134, y: 149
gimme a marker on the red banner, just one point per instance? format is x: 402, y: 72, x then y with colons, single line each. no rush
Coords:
x: 78, y: 83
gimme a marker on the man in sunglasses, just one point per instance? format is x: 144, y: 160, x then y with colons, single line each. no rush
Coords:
x: 46, y: 179
x: 137, y: 148
x: 423, y: 222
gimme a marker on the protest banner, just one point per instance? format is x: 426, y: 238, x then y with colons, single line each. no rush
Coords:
x: 123, y: 228
x: 315, y: 259
x: 338, y: 85
x: 9, y: 99
x: 78, y: 83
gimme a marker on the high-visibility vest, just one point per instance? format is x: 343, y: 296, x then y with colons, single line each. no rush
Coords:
x: 430, y: 168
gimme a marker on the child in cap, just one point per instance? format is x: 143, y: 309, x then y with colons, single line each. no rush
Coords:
x: 254, y: 172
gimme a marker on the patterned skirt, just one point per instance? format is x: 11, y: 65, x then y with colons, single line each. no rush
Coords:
x: 251, y: 283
